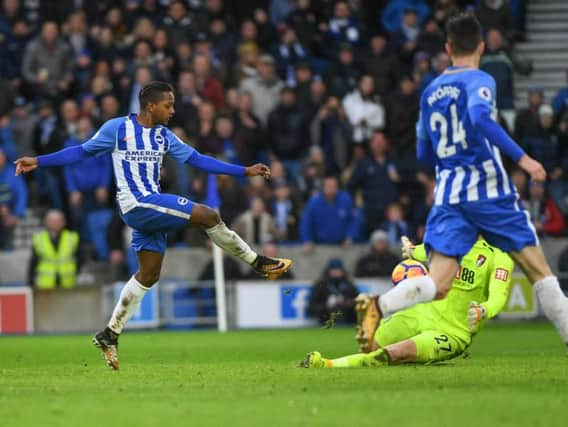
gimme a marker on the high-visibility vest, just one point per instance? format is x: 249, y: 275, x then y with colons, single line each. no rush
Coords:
x: 54, y: 262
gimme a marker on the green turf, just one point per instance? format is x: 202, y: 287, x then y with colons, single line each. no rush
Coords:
x: 516, y: 375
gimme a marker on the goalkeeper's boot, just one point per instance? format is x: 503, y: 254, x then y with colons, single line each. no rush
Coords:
x: 271, y: 268
x: 108, y: 344
x: 313, y: 359
x: 368, y: 318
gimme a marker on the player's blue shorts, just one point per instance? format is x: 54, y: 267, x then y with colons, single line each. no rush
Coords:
x: 155, y: 215
x: 505, y: 223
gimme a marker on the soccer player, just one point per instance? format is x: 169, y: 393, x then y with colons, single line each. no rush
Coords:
x: 440, y: 330
x: 457, y: 133
x: 138, y: 144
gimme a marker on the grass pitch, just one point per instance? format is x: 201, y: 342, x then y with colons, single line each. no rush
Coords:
x: 517, y: 375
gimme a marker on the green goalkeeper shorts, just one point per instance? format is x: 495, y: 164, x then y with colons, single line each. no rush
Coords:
x: 436, y: 340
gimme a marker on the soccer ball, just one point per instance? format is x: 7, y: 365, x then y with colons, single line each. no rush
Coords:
x: 408, y: 269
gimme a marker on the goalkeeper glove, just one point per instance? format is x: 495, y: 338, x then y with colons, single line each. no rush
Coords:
x: 475, y: 314
x: 407, y: 247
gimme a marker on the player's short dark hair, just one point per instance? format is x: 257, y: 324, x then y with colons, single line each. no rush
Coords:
x: 152, y: 92
x: 463, y: 33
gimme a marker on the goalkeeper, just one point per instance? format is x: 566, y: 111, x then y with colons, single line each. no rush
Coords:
x: 436, y: 331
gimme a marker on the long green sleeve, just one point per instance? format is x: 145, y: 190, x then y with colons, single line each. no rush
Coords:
x: 499, y: 284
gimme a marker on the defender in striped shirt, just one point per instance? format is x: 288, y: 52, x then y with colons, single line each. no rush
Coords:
x: 138, y: 144
x: 474, y: 196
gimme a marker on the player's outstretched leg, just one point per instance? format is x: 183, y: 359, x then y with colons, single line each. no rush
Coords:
x: 552, y: 300
x: 150, y: 264
x: 410, y: 292
x: 376, y: 358
x: 228, y: 240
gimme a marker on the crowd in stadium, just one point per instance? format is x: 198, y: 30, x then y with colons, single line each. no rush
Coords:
x: 325, y: 92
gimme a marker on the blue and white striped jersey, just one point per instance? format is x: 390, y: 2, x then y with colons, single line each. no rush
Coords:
x: 468, y: 167
x: 137, y: 154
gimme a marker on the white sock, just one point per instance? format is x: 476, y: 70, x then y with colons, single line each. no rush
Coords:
x: 407, y: 293
x: 130, y: 298
x: 554, y: 303
x: 231, y: 242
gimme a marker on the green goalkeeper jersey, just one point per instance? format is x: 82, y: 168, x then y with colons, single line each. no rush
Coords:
x: 484, y: 276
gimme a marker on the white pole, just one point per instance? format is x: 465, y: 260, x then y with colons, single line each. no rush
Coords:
x: 220, y: 288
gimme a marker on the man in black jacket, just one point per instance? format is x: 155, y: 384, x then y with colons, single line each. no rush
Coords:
x: 380, y: 261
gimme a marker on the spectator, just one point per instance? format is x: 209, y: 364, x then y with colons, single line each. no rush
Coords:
x: 402, y: 115
x: 392, y: 14
x: 382, y: 65
x: 234, y: 200
x: 225, y: 131
x: 380, y: 261
x: 521, y: 181
x: 7, y: 142
x: 343, y: 75
x: 285, y: 214
x: 376, y: 176
x: 223, y: 42
x: 544, y: 212
x: 560, y: 101
x: 207, y: 141
x: 265, y: 88
x: 48, y: 138
x: 208, y: 87
x: 496, y: 61
x: 288, y: 132
x: 249, y: 135
x: 328, y: 216
x: 47, y: 65
x: 527, y: 121
x: 431, y: 40
x: 303, y: 20
x: 13, y: 201
x: 365, y: 112
x: 404, y: 40
x: 54, y: 262
x: 23, y: 123
x: 343, y: 27
x: 87, y: 182
x: 302, y: 81
x: 496, y: 15
x: 177, y: 23
x: 11, y: 48
x: 187, y: 102
x: 395, y: 225
x: 110, y: 108
x: 142, y: 76
x: 543, y: 147
x: 287, y: 54
x: 256, y: 223
x: 246, y: 66
x: 333, y: 295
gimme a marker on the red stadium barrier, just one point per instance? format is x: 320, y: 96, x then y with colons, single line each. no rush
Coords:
x: 16, y: 310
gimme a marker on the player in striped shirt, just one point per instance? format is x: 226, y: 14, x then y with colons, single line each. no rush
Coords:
x: 458, y: 135
x: 138, y: 144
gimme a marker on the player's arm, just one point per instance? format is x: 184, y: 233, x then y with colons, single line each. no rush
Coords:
x: 424, y: 150
x: 183, y: 153
x: 102, y: 142
x: 480, y: 108
x: 499, y: 285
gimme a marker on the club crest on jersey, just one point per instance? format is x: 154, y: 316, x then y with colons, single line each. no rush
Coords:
x: 501, y: 274
x: 480, y: 260
x: 484, y: 93
x: 159, y: 139
x: 182, y: 201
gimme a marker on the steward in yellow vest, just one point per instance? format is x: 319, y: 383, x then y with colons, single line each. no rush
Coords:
x: 54, y: 262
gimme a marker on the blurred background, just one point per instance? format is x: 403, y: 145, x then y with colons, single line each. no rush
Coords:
x: 326, y: 92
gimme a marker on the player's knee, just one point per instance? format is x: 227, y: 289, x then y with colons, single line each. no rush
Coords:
x: 148, y: 278
x: 442, y: 290
x: 211, y: 218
